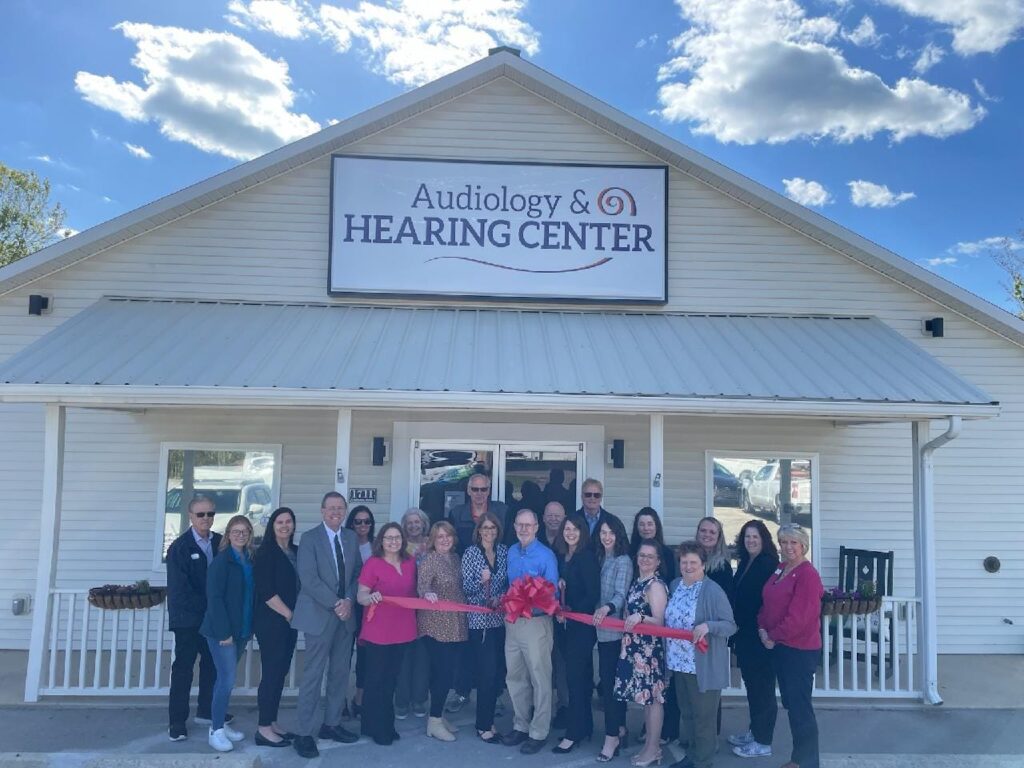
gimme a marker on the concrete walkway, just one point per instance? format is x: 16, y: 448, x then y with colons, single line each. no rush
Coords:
x: 75, y: 735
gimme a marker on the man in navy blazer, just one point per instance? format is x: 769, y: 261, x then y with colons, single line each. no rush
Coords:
x: 187, y: 560
x: 593, y: 513
x: 328, y: 567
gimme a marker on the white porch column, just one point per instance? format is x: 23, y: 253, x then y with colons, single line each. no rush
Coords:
x: 49, y: 523
x: 924, y: 543
x: 656, y: 482
x: 343, y: 452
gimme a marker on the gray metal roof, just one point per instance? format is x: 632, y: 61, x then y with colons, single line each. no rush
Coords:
x: 121, y: 342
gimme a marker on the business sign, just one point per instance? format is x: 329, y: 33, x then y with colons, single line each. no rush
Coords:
x: 369, y: 495
x: 498, y: 230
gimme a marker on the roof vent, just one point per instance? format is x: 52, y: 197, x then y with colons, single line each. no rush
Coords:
x: 505, y: 49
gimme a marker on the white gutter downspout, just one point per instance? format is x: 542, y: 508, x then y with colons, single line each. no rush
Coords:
x: 924, y: 524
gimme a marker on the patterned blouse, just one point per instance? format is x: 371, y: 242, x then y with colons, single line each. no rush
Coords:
x: 473, y: 564
x: 439, y: 573
x: 680, y: 614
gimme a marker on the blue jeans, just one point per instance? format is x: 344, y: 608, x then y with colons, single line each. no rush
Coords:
x: 225, y: 660
x: 794, y: 669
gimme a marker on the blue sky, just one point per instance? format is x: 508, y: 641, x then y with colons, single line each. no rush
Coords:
x: 899, y: 119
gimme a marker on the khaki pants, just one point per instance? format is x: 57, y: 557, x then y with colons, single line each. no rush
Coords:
x: 700, y: 715
x: 528, y: 661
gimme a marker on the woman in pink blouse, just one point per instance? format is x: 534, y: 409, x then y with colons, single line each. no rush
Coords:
x: 443, y: 632
x: 387, y: 629
x: 789, y: 625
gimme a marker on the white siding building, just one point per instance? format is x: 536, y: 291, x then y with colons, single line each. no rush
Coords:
x: 96, y: 423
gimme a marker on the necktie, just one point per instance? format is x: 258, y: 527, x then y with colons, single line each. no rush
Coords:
x: 339, y: 557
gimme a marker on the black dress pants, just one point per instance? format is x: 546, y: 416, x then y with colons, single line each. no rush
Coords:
x: 577, y: 646
x: 488, y: 649
x: 443, y: 658
x: 759, y: 680
x: 277, y: 643
x: 382, y: 665
x: 188, y: 644
x: 614, y: 709
x: 794, y: 669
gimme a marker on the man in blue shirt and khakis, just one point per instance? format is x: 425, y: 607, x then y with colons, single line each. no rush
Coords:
x: 528, y: 642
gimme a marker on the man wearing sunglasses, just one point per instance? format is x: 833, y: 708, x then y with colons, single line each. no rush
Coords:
x: 592, y: 510
x: 464, y: 516
x: 187, y: 560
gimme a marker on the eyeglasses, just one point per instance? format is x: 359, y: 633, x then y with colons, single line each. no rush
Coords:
x: 238, y: 532
x: 479, y: 490
x: 525, y: 526
x: 391, y: 538
x: 592, y: 494
x: 204, y: 514
x: 646, y: 557
x: 488, y: 527
x: 361, y: 521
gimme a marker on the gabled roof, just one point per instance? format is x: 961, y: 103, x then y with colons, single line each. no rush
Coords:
x: 664, y: 361
x: 504, y: 63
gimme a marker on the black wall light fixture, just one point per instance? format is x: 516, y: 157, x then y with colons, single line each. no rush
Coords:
x: 617, y: 453
x: 38, y: 304
x: 380, y: 452
x: 935, y: 327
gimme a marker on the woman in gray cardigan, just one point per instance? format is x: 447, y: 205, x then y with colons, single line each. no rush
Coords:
x: 700, y: 605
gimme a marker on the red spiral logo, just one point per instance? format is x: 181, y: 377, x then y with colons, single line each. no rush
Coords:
x: 614, y: 200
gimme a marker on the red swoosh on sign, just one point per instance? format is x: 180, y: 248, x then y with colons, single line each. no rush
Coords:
x: 597, y: 263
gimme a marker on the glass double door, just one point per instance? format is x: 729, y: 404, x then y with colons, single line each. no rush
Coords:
x: 523, y: 475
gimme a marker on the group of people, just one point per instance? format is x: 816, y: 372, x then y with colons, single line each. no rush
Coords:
x: 333, y: 587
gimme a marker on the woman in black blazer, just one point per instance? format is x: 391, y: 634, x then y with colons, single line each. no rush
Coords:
x: 580, y: 585
x: 758, y: 559
x: 227, y: 625
x: 277, y: 586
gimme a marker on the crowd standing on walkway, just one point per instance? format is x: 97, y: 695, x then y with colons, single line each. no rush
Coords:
x: 331, y: 587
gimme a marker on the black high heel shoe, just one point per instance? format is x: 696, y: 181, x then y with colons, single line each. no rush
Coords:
x: 558, y: 749
x: 603, y: 758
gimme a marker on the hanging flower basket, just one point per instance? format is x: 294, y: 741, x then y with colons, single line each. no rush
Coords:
x: 118, y: 597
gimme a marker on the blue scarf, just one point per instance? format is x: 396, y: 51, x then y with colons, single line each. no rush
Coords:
x: 243, y: 560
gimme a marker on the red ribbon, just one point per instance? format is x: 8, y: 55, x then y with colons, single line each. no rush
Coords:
x: 533, y: 592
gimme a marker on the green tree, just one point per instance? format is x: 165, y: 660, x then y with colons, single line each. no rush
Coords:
x: 28, y: 220
x: 1010, y: 257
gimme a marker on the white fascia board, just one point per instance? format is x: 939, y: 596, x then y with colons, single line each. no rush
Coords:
x: 143, y: 396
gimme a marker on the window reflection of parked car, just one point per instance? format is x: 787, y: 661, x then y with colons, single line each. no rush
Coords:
x: 762, y: 492
x: 250, y: 499
x: 727, y: 487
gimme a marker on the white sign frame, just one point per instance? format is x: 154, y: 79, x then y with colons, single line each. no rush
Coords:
x: 563, y: 244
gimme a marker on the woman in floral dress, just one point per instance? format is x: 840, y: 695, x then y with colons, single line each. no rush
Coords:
x: 640, y: 676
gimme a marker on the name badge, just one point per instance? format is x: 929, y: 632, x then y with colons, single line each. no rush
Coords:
x: 195, y: 555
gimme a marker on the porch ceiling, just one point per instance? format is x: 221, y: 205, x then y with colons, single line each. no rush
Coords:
x: 149, y: 350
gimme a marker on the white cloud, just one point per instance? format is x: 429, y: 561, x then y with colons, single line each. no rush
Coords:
x: 762, y: 70
x: 983, y: 94
x: 291, y: 19
x: 645, y: 41
x: 411, y: 42
x: 941, y: 261
x: 864, y: 34
x: 806, y: 192
x: 138, y: 151
x: 42, y: 159
x: 976, y: 247
x: 978, y: 26
x: 865, y: 193
x: 210, y: 89
x: 931, y: 55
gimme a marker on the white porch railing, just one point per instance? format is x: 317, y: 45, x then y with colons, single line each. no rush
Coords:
x: 94, y: 652
x: 867, y: 656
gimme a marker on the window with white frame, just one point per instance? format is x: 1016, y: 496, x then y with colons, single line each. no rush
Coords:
x: 774, y: 490
x: 239, y: 479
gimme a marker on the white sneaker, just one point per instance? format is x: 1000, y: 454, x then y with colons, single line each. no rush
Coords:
x: 232, y: 734
x: 219, y: 740
x: 752, y: 749
x: 741, y: 739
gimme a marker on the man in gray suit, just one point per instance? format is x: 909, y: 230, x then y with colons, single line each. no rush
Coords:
x: 328, y: 566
